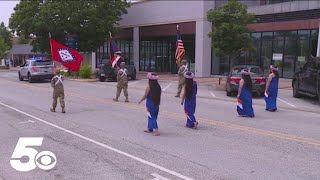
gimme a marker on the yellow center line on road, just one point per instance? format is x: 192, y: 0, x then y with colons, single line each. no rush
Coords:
x: 248, y: 129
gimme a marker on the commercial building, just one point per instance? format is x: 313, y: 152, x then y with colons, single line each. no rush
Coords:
x: 286, y: 34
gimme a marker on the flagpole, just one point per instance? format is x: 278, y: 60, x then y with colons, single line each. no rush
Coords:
x: 50, y: 46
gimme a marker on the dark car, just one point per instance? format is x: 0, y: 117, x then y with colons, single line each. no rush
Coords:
x: 307, y: 80
x: 107, y: 72
x: 258, y: 80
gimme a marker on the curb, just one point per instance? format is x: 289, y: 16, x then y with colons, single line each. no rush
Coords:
x: 84, y: 80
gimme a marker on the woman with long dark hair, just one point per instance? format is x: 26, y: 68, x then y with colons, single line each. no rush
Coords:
x: 153, y: 96
x: 189, y: 99
x: 271, y: 92
x: 244, y: 96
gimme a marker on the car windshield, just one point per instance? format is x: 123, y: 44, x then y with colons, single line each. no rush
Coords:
x: 41, y: 63
x: 255, y: 71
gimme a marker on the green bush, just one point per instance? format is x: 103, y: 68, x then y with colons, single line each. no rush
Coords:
x: 66, y: 74
x: 85, y: 71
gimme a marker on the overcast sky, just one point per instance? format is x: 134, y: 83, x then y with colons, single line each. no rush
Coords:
x: 6, y: 9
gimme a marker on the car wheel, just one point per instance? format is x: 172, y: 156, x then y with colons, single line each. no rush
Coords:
x: 228, y: 93
x: 20, y: 77
x: 296, y: 93
x: 102, y: 79
x: 30, y: 80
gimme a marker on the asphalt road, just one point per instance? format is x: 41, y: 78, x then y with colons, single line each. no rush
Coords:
x: 101, y: 139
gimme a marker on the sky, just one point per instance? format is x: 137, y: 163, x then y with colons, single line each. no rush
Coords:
x: 6, y: 9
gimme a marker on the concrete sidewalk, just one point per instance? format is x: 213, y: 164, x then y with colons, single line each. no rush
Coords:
x: 218, y: 81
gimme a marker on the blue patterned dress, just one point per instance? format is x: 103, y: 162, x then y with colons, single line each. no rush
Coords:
x: 271, y: 100
x: 246, y: 98
x: 190, y: 107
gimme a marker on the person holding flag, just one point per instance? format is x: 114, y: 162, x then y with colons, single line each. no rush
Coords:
x: 58, y: 91
x: 122, y: 82
x: 69, y: 58
x: 180, y: 52
x: 118, y: 62
x: 181, y: 71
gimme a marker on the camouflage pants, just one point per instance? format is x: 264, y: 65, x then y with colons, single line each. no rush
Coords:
x: 121, y: 86
x: 180, y: 85
x: 56, y: 95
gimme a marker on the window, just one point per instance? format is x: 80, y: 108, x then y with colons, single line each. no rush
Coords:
x: 290, y: 51
x: 303, y: 48
x: 266, y: 51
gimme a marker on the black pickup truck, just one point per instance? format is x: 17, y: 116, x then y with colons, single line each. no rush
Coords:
x: 307, y: 80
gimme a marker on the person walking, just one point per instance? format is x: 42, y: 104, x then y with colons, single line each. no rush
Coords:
x: 58, y: 91
x: 244, y: 96
x: 181, y: 71
x: 271, y: 92
x: 122, y: 82
x: 153, y: 96
x: 189, y: 99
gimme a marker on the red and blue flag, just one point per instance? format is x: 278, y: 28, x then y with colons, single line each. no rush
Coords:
x: 180, y: 51
x: 115, y: 57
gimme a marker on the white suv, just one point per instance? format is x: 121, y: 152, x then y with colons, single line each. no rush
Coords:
x: 36, y: 70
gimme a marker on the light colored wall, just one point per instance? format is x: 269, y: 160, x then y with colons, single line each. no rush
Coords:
x: 149, y: 13
x: 285, y: 7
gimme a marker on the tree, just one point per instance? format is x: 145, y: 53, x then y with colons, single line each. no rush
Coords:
x: 6, y: 35
x: 230, y: 35
x: 90, y: 20
x: 3, y: 47
x: 23, y: 40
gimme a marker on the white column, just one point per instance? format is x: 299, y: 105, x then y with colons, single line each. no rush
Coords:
x: 203, y: 49
x: 318, y: 47
x: 93, y: 61
x: 136, y: 47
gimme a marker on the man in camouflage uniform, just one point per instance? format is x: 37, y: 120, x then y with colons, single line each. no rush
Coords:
x: 122, y: 82
x: 58, y: 91
x: 183, y: 68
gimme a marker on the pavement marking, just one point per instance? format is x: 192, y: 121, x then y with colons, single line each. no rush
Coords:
x: 164, y: 89
x: 25, y: 122
x: 131, y: 83
x: 286, y: 102
x: 158, y: 177
x: 205, y: 120
x: 212, y: 94
x: 101, y: 144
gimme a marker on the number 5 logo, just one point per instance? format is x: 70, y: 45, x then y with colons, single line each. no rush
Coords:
x: 23, y: 149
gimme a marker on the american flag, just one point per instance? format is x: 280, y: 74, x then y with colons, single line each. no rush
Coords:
x: 114, y: 58
x: 180, y: 51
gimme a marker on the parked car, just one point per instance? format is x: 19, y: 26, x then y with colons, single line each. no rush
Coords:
x: 258, y: 79
x: 107, y: 72
x: 307, y: 80
x: 36, y: 70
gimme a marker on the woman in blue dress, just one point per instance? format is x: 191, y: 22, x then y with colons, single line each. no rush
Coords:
x: 153, y: 95
x: 271, y: 92
x: 189, y: 99
x: 244, y: 96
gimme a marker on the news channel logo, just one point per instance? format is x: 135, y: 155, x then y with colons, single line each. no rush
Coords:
x: 44, y: 160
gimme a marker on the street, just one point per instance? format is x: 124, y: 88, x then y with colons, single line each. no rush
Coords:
x: 101, y: 139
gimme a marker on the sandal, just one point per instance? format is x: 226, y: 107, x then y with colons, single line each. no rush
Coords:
x: 195, y: 125
x: 147, y: 131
